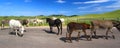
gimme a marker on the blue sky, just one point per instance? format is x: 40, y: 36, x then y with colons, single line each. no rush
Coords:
x: 49, y: 7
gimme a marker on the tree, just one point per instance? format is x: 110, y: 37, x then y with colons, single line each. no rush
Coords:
x: 73, y: 15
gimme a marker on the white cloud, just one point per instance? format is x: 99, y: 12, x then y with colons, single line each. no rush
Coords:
x: 60, y: 1
x: 94, y: 1
x: 27, y: 0
x: 97, y: 1
x: 86, y: 7
x: 96, y: 9
x: 99, y: 8
x: 92, y: 8
x: 114, y: 5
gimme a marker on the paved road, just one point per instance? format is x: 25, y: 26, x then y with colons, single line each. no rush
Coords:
x: 40, y: 38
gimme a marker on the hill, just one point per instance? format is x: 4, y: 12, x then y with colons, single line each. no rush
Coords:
x: 113, y: 14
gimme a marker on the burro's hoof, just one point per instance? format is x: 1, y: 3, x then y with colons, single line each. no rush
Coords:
x: 21, y: 35
x: 25, y: 31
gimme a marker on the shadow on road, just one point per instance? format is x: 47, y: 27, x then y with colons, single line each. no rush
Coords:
x: 83, y: 38
x: 12, y: 33
x: 49, y: 32
x: 73, y: 38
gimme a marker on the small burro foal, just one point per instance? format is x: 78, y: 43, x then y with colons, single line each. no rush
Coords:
x: 73, y: 26
x: 17, y: 27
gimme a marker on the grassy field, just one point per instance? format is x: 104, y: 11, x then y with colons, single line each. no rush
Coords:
x: 114, y: 15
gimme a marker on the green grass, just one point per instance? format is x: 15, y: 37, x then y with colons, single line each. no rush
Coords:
x: 114, y: 15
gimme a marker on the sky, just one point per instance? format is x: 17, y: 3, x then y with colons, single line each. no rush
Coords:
x: 50, y: 7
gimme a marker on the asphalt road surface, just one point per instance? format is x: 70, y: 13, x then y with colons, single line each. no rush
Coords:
x: 39, y: 37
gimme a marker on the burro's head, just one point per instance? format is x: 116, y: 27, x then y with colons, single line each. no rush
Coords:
x: 22, y: 30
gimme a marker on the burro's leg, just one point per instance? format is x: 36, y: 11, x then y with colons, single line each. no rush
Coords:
x: 16, y: 33
x: 58, y: 30
x: 108, y: 30
x: 85, y: 33
x: 78, y: 36
x: 91, y: 33
x: 50, y: 28
x: 112, y: 34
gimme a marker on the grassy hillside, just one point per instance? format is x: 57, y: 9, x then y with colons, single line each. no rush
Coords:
x: 113, y: 14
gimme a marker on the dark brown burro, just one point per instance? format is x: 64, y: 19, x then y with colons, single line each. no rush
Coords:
x: 104, y: 24
x: 25, y: 22
x: 73, y: 26
x: 55, y: 23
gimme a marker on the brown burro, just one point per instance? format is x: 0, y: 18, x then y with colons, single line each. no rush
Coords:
x: 73, y: 26
x: 104, y: 24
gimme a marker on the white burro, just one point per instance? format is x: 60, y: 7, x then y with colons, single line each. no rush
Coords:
x: 16, y: 27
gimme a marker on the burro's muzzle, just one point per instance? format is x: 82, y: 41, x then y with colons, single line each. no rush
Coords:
x: 22, y: 30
